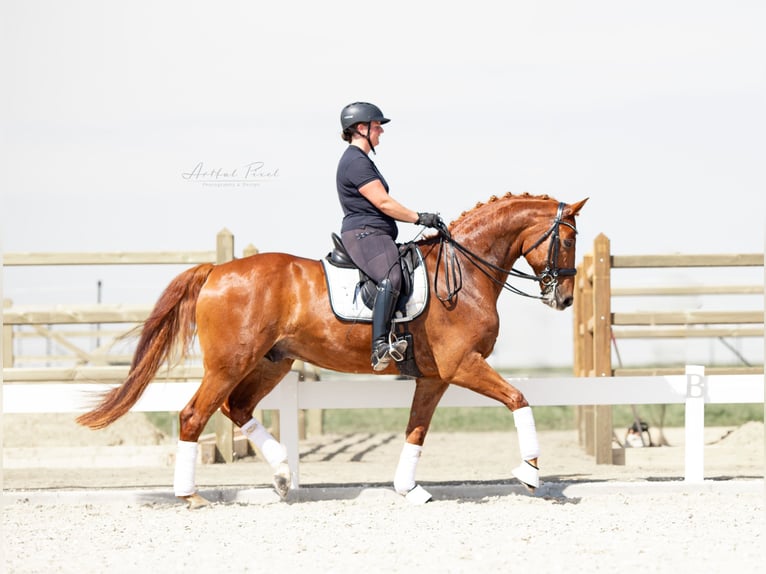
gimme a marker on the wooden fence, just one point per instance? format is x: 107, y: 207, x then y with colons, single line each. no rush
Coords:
x: 99, y: 365
x: 597, y: 328
x: 41, y: 318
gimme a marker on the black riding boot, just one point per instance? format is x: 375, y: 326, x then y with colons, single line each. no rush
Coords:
x: 384, y: 348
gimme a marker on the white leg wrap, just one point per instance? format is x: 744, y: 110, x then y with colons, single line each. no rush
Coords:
x: 186, y: 459
x: 274, y: 452
x: 418, y: 495
x: 527, y: 474
x: 404, y: 479
x: 525, y: 428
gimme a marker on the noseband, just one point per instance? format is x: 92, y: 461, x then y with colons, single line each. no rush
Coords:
x: 548, y: 278
x: 550, y: 275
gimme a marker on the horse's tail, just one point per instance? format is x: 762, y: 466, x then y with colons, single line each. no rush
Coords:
x: 170, y: 326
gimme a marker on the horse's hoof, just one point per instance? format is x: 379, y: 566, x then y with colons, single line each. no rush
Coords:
x: 528, y: 475
x: 418, y: 496
x: 530, y: 489
x: 195, y: 501
x: 282, y: 480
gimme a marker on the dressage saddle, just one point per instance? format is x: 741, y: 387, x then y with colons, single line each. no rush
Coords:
x: 367, y: 288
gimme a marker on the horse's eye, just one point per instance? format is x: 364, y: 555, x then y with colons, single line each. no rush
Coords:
x: 568, y: 243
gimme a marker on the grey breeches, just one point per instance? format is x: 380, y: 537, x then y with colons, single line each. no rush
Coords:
x: 375, y: 253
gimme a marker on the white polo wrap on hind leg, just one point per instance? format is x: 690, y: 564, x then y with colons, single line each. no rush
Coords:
x: 183, y: 477
x: 525, y: 428
x: 274, y: 452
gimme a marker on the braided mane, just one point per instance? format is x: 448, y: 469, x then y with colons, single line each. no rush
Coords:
x: 493, y: 199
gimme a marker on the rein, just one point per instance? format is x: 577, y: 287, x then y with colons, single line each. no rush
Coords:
x: 454, y: 273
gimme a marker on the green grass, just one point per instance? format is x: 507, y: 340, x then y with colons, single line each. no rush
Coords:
x: 484, y: 419
x: 478, y: 419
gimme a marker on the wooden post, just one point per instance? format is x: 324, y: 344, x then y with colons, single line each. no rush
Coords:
x: 7, y: 339
x: 602, y: 344
x: 224, y: 246
x: 249, y: 250
x: 310, y: 420
x: 578, y: 339
x: 586, y: 364
x: 224, y: 428
x: 276, y: 425
x: 583, y: 333
x: 579, y: 316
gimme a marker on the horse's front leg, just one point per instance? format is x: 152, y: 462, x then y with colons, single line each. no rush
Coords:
x: 428, y: 393
x: 474, y: 373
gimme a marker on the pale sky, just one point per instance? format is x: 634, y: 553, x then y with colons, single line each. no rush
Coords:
x: 654, y: 110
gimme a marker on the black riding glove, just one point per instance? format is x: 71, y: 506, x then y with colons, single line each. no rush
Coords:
x: 429, y: 220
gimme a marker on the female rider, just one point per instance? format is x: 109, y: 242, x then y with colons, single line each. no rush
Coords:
x: 369, y: 228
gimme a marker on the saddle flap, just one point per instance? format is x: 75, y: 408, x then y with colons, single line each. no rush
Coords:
x: 409, y: 259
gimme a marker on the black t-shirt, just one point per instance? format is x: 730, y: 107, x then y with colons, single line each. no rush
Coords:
x: 356, y: 169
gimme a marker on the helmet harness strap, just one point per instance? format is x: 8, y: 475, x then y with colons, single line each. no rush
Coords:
x: 367, y: 136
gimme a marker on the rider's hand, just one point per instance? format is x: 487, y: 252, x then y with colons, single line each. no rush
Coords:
x: 430, y: 220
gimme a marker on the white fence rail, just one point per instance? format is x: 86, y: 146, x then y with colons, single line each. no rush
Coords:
x: 693, y: 389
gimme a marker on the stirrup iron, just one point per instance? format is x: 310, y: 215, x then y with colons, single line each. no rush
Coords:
x: 396, y: 347
x: 380, y: 361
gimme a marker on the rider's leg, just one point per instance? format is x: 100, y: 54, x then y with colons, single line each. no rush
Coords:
x: 376, y: 253
x: 382, y: 313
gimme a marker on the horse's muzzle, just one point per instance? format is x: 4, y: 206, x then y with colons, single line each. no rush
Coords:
x: 553, y: 297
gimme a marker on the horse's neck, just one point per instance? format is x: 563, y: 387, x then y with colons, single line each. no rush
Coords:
x: 495, y: 237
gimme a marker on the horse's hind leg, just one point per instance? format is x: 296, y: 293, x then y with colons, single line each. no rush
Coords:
x: 193, y: 417
x: 217, y: 390
x: 428, y: 393
x: 239, y: 408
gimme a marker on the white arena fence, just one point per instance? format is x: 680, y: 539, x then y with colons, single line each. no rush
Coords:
x: 694, y: 389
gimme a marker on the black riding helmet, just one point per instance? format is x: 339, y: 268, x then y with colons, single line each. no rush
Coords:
x: 361, y: 113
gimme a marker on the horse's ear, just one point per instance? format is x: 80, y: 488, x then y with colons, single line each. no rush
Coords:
x: 575, y: 208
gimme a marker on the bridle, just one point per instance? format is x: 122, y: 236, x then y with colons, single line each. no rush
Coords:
x: 548, y: 278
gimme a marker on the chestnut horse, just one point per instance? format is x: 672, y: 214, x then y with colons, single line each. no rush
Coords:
x: 255, y: 316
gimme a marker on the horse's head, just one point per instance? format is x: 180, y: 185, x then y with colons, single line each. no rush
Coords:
x: 549, y: 248
x: 493, y: 235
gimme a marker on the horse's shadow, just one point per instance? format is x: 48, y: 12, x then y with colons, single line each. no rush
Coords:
x: 553, y: 490
x: 468, y: 492
x: 471, y: 492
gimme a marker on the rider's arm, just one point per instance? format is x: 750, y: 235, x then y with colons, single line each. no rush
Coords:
x: 376, y: 194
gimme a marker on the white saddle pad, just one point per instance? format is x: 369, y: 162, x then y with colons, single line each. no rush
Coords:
x: 341, y: 285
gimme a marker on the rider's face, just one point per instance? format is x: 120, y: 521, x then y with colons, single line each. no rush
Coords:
x: 375, y: 130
